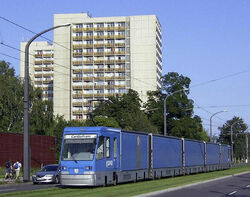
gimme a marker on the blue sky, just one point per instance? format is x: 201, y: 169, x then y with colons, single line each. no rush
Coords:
x: 203, y: 40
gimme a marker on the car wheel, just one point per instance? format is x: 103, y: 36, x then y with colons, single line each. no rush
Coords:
x: 57, y: 180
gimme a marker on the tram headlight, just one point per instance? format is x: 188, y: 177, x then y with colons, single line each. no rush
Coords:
x: 88, y: 168
x: 63, y: 168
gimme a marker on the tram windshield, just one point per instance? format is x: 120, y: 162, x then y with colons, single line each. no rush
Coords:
x: 79, y: 147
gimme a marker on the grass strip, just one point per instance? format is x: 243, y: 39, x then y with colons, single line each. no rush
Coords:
x: 130, y: 189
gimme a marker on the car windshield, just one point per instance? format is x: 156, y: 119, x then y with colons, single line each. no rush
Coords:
x: 50, y: 168
x: 79, y: 149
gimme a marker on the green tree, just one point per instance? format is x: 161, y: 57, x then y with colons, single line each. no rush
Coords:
x: 238, y: 134
x: 126, y: 111
x: 180, y: 119
x: 11, y: 104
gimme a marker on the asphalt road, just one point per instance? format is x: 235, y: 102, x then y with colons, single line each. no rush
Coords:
x: 7, y: 188
x: 235, y: 186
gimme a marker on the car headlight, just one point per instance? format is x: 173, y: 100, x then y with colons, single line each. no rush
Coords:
x: 48, y: 175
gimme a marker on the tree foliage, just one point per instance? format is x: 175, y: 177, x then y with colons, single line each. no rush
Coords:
x: 238, y: 136
x: 179, y: 118
x: 126, y: 111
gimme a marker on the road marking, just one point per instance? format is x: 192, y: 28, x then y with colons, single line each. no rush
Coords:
x: 232, y: 193
x: 5, y: 190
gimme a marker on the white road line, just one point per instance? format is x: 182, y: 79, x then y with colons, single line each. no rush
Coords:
x: 232, y: 193
x: 5, y: 190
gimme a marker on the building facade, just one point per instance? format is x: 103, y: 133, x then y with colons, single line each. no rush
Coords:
x: 41, y: 66
x: 97, y: 57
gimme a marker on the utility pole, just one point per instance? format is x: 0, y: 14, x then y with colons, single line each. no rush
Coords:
x: 246, y: 147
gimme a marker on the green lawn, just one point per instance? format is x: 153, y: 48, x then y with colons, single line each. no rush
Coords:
x: 131, y: 189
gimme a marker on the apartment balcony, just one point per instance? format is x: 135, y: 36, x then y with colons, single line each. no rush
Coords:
x: 120, y: 28
x: 77, y: 29
x: 109, y: 28
x: 44, y: 62
x: 48, y: 55
x: 120, y: 44
x: 77, y: 87
x: 88, y: 45
x: 80, y: 112
x: 99, y: 69
x: 87, y: 70
x: 88, y: 78
x: 38, y: 68
x: 120, y: 52
x: 77, y: 104
x: 48, y: 81
x: 77, y: 71
x: 115, y: 78
x: 77, y: 46
x: 114, y: 69
x: 99, y: 61
x: 99, y: 53
x: 77, y: 54
x: 109, y: 45
x: 88, y: 87
x: 99, y: 45
x: 97, y: 37
x: 75, y: 38
x: 48, y: 75
x: 88, y: 54
x: 77, y: 78
x: 100, y: 78
x: 77, y: 95
x: 49, y: 68
x: 88, y: 62
x: 110, y: 53
x: 109, y: 61
x: 88, y: 37
x: 109, y: 36
x: 99, y: 28
x: 44, y: 55
x: 120, y: 36
x: 120, y: 61
x: 77, y: 62
x: 88, y: 29
x: 38, y: 75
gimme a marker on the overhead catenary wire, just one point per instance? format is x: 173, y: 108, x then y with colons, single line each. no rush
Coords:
x: 22, y: 27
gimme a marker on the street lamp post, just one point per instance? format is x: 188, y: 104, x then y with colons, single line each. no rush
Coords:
x: 211, y: 122
x: 165, y: 108
x: 26, y: 133
x: 232, y: 142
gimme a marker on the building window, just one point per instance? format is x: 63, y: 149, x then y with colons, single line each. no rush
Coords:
x: 110, y: 24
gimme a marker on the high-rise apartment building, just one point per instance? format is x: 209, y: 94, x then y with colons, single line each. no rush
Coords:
x: 41, y: 66
x: 97, y: 57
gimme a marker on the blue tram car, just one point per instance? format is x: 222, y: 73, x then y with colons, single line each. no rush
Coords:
x: 93, y: 156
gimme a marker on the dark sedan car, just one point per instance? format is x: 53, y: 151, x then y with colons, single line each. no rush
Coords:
x: 48, y: 174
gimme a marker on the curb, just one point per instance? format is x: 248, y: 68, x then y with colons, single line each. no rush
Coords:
x: 189, y: 185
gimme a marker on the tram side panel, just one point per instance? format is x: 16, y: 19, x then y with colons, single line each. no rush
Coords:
x: 134, y: 157
x: 194, y: 156
x: 167, y: 156
x: 225, y: 156
x: 212, y: 157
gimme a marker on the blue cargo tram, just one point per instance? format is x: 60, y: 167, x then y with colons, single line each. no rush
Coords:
x: 93, y: 156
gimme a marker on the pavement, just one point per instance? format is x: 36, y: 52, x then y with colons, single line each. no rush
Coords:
x: 186, y: 186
